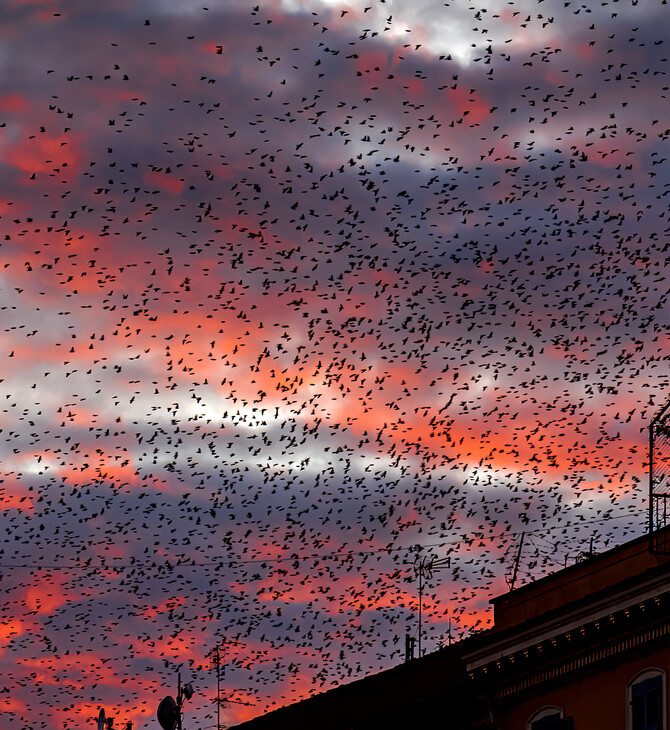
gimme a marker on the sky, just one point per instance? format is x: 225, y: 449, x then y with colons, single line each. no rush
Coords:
x: 296, y: 297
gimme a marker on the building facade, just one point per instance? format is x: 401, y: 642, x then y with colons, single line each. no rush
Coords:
x: 586, y: 648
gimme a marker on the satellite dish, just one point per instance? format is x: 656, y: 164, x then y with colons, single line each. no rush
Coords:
x: 168, y: 713
x: 188, y: 691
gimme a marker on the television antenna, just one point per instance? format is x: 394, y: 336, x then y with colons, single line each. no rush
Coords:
x: 221, y: 701
x: 517, y: 561
x: 424, y: 567
x: 217, y: 661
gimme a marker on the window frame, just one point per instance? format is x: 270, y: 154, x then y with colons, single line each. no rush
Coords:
x: 543, y: 712
x: 643, y: 676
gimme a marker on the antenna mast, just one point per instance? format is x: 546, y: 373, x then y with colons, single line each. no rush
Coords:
x: 424, y: 568
x: 169, y: 711
x: 659, y: 480
x: 517, y: 560
x: 179, y: 700
x: 217, y: 661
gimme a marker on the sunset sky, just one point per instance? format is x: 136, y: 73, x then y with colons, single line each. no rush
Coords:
x: 295, y: 295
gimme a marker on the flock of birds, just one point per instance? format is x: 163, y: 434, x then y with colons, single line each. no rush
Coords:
x: 295, y: 297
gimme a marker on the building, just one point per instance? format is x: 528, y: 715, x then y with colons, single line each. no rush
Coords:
x: 586, y: 648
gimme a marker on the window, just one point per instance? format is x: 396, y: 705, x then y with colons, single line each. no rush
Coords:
x: 645, y: 701
x: 549, y: 718
x: 548, y: 721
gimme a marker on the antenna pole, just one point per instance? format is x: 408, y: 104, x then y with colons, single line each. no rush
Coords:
x: 420, y: 601
x: 422, y: 567
x: 218, y: 691
x: 179, y: 701
x: 516, y: 562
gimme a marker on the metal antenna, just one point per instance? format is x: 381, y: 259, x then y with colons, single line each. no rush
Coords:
x: 517, y: 560
x: 424, y: 568
x: 169, y: 711
x: 421, y: 570
x: 217, y: 660
x: 409, y: 647
x: 179, y: 701
x: 216, y: 655
x: 183, y: 693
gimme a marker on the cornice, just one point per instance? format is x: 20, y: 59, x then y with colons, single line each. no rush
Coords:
x: 595, y: 608
x: 580, y: 648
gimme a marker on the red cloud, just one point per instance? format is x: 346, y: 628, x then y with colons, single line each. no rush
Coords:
x: 14, y: 103
x: 44, y: 153
x: 9, y: 628
x: 14, y: 495
x: 45, y: 597
x: 468, y: 103
x: 165, y: 181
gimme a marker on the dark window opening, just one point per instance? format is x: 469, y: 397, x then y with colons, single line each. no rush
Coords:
x: 647, y: 704
x: 552, y: 722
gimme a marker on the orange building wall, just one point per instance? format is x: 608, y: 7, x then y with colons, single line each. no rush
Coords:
x: 596, y: 701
